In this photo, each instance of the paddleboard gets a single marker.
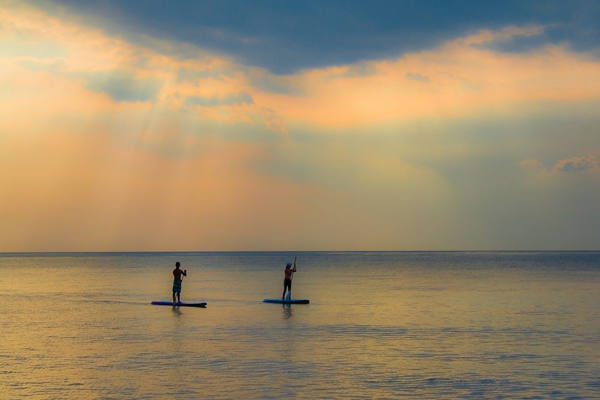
(182, 304)
(287, 301)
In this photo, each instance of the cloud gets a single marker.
(531, 163)
(125, 85)
(230, 99)
(417, 77)
(273, 121)
(361, 69)
(265, 81)
(143, 81)
(287, 38)
(564, 167)
(119, 85)
(489, 39)
(464, 82)
(158, 144)
(577, 164)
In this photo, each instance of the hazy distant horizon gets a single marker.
(289, 252)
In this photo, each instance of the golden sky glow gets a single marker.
(115, 143)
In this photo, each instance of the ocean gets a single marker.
(380, 325)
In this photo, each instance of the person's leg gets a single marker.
(176, 291)
(285, 285)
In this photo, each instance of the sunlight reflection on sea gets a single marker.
(386, 325)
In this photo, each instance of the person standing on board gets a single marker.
(287, 281)
(177, 279)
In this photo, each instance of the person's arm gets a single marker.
(185, 272)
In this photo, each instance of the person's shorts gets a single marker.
(287, 283)
(176, 286)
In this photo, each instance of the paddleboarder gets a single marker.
(287, 281)
(178, 275)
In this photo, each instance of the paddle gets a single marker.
(288, 299)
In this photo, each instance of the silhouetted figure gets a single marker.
(287, 281)
(178, 278)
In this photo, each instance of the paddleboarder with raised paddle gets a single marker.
(178, 275)
(287, 281)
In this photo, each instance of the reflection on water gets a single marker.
(176, 311)
(287, 311)
(420, 325)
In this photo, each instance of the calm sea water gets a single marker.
(380, 325)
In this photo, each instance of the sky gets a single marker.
(299, 125)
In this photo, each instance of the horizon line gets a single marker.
(300, 251)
